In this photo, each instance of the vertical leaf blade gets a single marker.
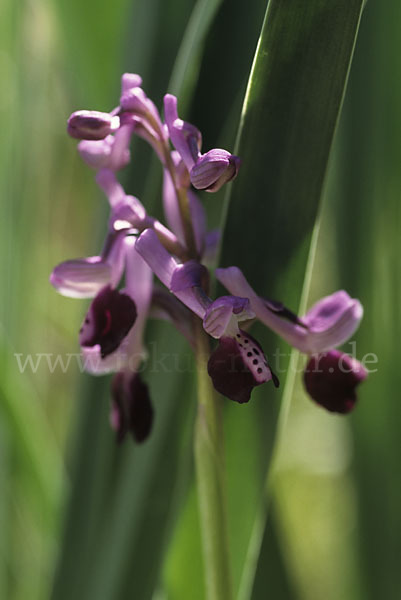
(289, 118)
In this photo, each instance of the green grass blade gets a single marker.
(289, 118)
(187, 64)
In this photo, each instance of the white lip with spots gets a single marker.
(253, 357)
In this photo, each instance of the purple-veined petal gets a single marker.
(138, 278)
(91, 124)
(331, 380)
(130, 80)
(283, 312)
(85, 277)
(329, 323)
(139, 286)
(114, 255)
(128, 214)
(332, 321)
(164, 265)
(187, 284)
(82, 277)
(110, 317)
(181, 171)
(107, 181)
(223, 315)
(198, 218)
(213, 169)
(233, 279)
(237, 366)
(135, 100)
(186, 138)
(189, 274)
(131, 409)
(156, 256)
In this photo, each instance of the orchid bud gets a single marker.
(91, 125)
(129, 81)
(213, 169)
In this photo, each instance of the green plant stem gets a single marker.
(209, 456)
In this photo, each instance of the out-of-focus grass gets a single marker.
(47, 215)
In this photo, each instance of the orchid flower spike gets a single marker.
(139, 246)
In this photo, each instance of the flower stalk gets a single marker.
(210, 474)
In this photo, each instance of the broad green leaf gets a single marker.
(290, 114)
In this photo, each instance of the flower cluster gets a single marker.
(138, 246)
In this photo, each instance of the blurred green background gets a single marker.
(80, 518)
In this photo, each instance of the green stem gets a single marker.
(209, 456)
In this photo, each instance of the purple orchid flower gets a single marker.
(331, 379)
(131, 409)
(238, 364)
(138, 246)
(328, 324)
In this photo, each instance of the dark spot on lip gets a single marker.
(259, 370)
(255, 361)
(249, 354)
(256, 351)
